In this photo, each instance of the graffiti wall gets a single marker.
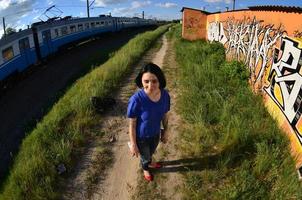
(194, 24)
(269, 43)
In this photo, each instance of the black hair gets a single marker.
(154, 69)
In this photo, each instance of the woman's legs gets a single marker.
(147, 148)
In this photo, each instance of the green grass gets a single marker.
(239, 150)
(64, 129)
(96, 59)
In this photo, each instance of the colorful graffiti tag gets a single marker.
(247, 40)
(284, 74)
(297, 34)
(255, 44)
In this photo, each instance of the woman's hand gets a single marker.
(132, 133)
(134, 150)
(164, 136)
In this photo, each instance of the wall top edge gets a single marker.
(276, 8)
(187, 8)
(288, 9)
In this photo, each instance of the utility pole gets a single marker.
(4, 28)
(233, 4)
(88, 9)
(143, 15)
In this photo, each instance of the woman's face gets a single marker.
(150, 82)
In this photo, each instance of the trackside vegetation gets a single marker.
(232, 146)
(55, 139)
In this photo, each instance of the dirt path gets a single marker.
(121, 178)
(159, 57)
(168, 153)
(168, 180)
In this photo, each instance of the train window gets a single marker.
(64, 30)
(106, 23)
(8, 53)
(97, 23)
(102, 22)
(46, 36)
(92, 24)
(24, 44)
(80, 27)
(56, 32)
(72, 28)
(86, 25)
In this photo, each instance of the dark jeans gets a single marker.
(147, 147)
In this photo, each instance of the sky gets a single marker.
(18, 14)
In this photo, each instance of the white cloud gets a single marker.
(49, 2)
(36, 17)
(130, 11)
(166, 5)
(213, 1)
(137, 4)
(121, 11)
(24, 15)
(104, 3)
(35, 11)
(14, 10)
(4, 4)
(218, 1)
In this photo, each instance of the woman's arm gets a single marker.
(165, 122)
(132, 133)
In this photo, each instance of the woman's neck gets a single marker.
(154, 95)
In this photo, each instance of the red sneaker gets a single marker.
(148, 178)
(155, 165)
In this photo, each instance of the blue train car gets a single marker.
(27, 47)
(55, 34)
(17, 52)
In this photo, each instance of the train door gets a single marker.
(25, 53)
(46, 36)
(115, 24)
(36, 42)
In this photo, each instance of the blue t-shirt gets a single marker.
(147, 112)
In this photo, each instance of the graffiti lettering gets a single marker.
(216, 32)
(297, 34)
(253, 43)
(284, 74)
(247, 40)
(192, 23)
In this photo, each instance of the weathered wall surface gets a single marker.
(194, 24)
(270, 44)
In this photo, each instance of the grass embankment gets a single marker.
(232, 147)
(64, 128)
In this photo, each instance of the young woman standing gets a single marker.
(147, 109)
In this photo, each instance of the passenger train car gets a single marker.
(25, 48)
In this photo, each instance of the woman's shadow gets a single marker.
(189, 164)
